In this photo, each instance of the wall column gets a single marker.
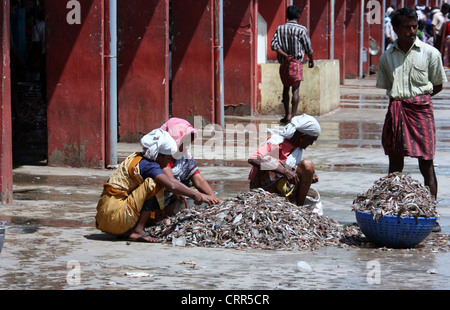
(75, 83)
(6, 175)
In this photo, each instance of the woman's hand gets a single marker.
(214, 199)
(198, 198)
(209, 199)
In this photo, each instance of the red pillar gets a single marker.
(6, 175)
(305, 13)
(352, 38)
(239, 59)
(143, 67)
(365, 43)
(319, 29)
(376, 33)
(193, 59)
(340, 42)
(411, 3)
(75, 71)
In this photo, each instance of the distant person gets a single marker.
(445, 50)
(420, 10)
(389, 34)
(278, 166)
(291, 42)
(421, 33)
(429, 26)
(438, 21)
(409, 128)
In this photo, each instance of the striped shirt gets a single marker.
(293, 39)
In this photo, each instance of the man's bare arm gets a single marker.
(436, 89)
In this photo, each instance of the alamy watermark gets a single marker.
(232, 142)
(374, 273)
(74, 15)
(73, 276)
(374, 14)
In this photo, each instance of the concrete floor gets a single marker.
(52, 242)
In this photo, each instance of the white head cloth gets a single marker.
(157, 142)
(389, 11)
(434, 11)
(304, 123)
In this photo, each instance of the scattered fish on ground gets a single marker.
(254, 219)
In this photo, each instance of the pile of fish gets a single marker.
(254, 219)
(398, 195)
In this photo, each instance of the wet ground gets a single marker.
(52, 243)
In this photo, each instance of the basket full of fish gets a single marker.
(396, 212)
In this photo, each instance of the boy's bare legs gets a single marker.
(287, 116)
(295, 100)
(305, 171)
(288, 113)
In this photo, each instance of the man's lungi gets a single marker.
(291, 72)
(409, 128)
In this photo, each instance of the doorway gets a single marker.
(28, 82)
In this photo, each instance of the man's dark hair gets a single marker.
(408, 12)
(445, 7)
(292, 12)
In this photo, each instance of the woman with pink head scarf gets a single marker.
(180, 130)
(134, 193)
(183, 167)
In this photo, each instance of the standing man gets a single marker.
(438, 21)
(411, 72)
(389, 34)
(291, 42)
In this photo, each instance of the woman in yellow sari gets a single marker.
(135, 191)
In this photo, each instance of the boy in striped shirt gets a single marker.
(291, 42)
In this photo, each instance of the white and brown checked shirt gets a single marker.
(293, 39)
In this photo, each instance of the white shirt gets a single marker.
(438, 21)
(406, 76)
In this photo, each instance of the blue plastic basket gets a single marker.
(387, 231)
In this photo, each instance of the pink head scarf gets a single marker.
(179, 128)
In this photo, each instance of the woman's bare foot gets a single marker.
(142, 237)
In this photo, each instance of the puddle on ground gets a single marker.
(57, 188)
(29, 225)
(26, 179)
(363, 98)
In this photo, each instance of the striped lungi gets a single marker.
(409, 128)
